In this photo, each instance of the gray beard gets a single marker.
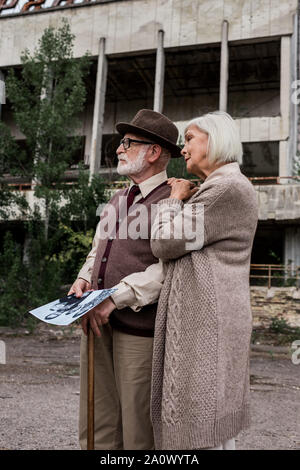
(132, 168)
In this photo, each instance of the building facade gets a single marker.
(185, 58)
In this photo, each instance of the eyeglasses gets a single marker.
(127, 141)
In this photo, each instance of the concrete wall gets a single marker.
(277, 302)
(132, 25)
(279, 202)
(276, 202)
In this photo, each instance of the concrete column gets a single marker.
(292, 246)
(285, 98)
(293, 103)
(2, 91)
(224, 68)
(159, 74)
(99, 106)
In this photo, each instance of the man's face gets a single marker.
(132, 161)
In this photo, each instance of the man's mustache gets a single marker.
(123, 156)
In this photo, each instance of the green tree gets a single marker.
(33, 277)
(46, 98)
(76, 223)
(12, 203)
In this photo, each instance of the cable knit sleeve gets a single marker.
(177, 229)
(180, 228)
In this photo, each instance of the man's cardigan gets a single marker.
(125, 254)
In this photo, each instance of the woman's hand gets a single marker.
(181, 189)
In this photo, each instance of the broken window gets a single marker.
(260, 159)
(192, 78)
(110, 143)
(254, 79)
(130, 87)
(268, 248)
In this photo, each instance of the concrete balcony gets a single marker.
(279, 202)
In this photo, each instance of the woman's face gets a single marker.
(195, 152)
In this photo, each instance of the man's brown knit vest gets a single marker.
(124, 256)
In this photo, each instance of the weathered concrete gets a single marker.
(279, 202)
(277, 302)
(276, 202)
(132, 25)
(254, 129)
(99, 106)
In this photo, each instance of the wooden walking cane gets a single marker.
(90, 386)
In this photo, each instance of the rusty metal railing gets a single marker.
(275, 179)
(290, 274)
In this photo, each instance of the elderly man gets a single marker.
(124, 323)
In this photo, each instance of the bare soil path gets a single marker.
(39, 394)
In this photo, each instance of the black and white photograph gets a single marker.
(69, 308)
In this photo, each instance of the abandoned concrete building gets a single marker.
(185, 58)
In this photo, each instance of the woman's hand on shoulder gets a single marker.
(182, 189)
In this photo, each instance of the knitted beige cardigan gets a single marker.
(200, 378)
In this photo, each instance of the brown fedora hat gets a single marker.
(156, 127)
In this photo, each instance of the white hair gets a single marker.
(224, 144)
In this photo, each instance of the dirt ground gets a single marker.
(39, 394)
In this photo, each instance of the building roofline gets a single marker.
(60, 7)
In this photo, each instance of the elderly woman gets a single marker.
(200, 379)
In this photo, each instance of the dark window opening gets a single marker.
(17, 230)
(78, 154)
(260, 159)
(268, 248)
(90, 83)
(192, 78)
(130, 78)
(130, 87)
(22, 162)
(110, 143)
(254, 79)
(268, 245)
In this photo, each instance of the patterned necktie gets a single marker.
(134, 190)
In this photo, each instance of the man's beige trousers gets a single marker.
(122, 391)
